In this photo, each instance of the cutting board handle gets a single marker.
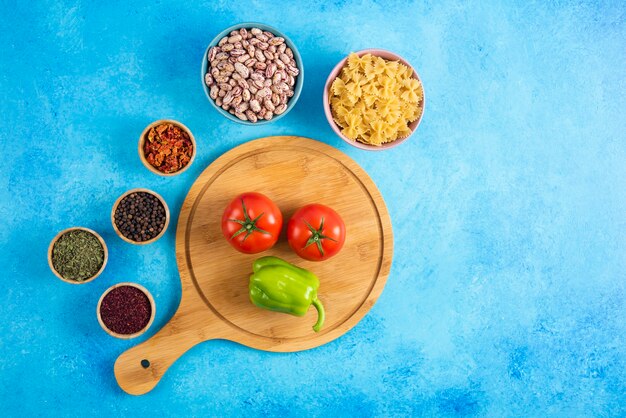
(139, 369)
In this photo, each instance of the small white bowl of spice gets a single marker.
(77, 255)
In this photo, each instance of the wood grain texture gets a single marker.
(292, 171)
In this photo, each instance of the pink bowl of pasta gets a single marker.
(374, 99)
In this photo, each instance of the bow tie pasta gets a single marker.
(374, 100)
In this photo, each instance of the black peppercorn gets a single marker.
(140, 216)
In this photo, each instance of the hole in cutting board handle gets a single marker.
(145, 363)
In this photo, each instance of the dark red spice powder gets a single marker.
(125, 310)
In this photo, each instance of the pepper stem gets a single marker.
(321, 315)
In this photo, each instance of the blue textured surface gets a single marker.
(507, 292)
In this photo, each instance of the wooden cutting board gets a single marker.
(292, 171)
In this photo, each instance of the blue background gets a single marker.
(507, 292)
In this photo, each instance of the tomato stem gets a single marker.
(248, 225)
(317, 236)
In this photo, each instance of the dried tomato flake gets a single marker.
(168, 148)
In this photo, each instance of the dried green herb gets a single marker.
(77, 255)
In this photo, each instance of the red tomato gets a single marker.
(316, 232)
(251, 223)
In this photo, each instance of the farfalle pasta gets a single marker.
(374, 100)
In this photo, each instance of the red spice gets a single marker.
(168, 148)
(125, 310)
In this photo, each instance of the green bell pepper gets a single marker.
(282, 287)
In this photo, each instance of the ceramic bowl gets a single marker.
(77, 228)
(142, 141)
(296, 56)
(390, 56)
(167, 216)
(138, 333)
